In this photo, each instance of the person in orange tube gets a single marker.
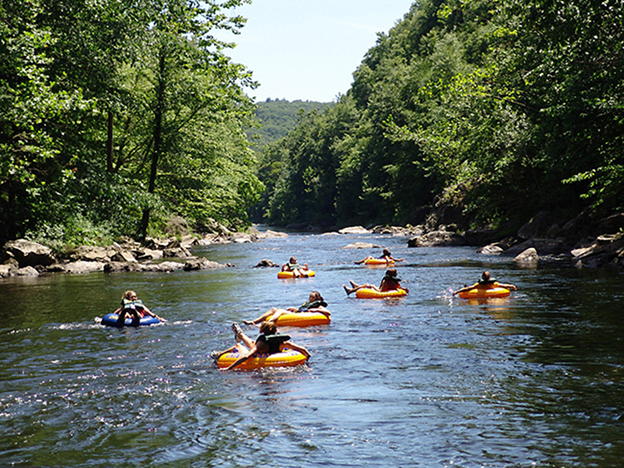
(315, 303)
(297, 270)
(485, 282)
(385, 255)
(268, 342)
(389, 282)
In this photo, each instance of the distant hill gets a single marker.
(278, 117)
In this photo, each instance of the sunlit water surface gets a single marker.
(535, 380)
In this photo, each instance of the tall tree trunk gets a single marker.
(157, 136)
(109, 143)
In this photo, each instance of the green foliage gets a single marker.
(278, 117)
(501, 108)
(111, 111)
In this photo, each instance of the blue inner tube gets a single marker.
(111, 320)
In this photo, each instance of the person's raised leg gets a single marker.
(136, 318)
(121, 318)
(262, 318)
(240, 335)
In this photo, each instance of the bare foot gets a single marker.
(237, 331)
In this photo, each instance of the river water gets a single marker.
(429, 380)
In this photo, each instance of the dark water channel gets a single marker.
(535, 380)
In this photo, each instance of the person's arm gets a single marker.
(320, 310)
(396, 259)
(465, 288)
(258, 347)
(511, 287)
(301, 349)
(242, 359)
(149, 312)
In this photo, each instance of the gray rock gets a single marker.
(26, 271)
(265, 263)
(543, 246)
(528, 256)
(148, 254)
(82, 266)
(437, 239)
(91, 254)
(56, 268)
(273, 235)
(179, 252)
(362, 245)
(201, 264)
(156, 244)
(164, 267)
(242, 238)
(354, 230)
(117, 267)
(492, 249)
(397, 230)
(123, 256)
(28, 253)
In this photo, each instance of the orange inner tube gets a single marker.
(474, 293)
(290, 274)
(285, 358)
(378, 261)
(366, 293)
(302, 319)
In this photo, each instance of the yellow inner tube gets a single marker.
(378, 261)
(366, 293)
(302, 319)
(290, 274)
(474, 293)
(285, 358)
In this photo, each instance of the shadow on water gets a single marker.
(535, 379)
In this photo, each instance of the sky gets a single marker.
(308, 49)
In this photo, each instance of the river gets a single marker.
(428, 380)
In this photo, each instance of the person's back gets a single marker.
(390, 282)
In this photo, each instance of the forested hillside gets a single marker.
(278, 117)
(115, 116)
(493, 109)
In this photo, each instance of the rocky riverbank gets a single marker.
(585, 241)
(26, 258)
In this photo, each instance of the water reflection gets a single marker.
(535, 379)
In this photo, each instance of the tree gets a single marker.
(34, 166)
(116, 101)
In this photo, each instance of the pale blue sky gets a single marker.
(309, 49)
